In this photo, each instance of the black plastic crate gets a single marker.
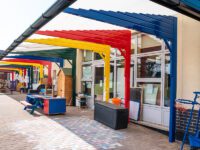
(115, 117)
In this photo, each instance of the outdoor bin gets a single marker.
(54, 106)
(111, 115)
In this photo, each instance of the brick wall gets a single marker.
(181, 122)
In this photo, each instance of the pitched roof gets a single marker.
(66, 71)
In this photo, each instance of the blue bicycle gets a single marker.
(194, 140)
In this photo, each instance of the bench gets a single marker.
(28, 106)
(25, 103)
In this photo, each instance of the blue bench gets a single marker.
(28, 106)
(32, 103)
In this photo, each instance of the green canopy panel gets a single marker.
(67, 53)
(57, 53)
(15, 66)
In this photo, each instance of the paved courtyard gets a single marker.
(76, 130)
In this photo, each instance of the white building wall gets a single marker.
(188, 73)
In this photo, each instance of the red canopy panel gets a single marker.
(120, 39)
(42, 62)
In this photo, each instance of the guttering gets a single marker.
(53, 11)
(182, 7)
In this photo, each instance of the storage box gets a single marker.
(54, 106)
(111, 115)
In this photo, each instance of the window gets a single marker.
(35, 75)
(86, 87)
(86, 84)
(111, 81)
(99, 82)
(87, 73)
(133, 45)
(45, 71)
(97, 56)
(87, 56)
(152, 93)
(120, 77)
(167, 81)
(148, 43)
(149, 67)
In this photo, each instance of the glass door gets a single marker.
(152, 74)
(149, 78)
(166, 89)
(99, 82)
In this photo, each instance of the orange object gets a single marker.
(116, 101)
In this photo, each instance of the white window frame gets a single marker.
(134, 57)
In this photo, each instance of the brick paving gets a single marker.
(76, 130)
(33, 132)
(93, 132)
(49, 135)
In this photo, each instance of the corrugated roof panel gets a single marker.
(59, 53)
(160, 26)
(115, 38)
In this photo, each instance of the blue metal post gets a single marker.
(61, 63)
(173, 85)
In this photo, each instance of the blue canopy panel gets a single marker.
(164, 27)
(160, 26)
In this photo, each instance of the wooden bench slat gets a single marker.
(25, 103)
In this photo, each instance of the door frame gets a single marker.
(162, 53)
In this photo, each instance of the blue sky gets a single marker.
(17, 15)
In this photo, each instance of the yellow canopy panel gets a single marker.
(103, 50)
